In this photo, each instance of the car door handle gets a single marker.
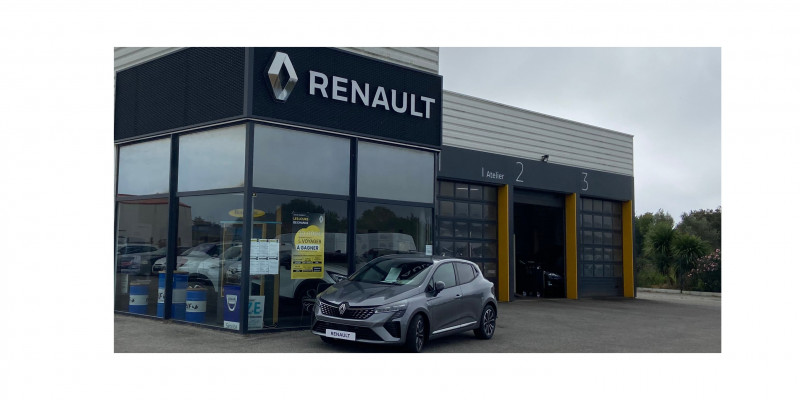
(458, 295)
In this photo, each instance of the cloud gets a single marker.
(668, 98)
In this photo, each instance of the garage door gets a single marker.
(600, 261)
(467, 224)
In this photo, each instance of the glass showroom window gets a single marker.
(144, 168)
(300, 161)
(395, 173)
(141, 243)
(210, 228)
(391, 229)
(212, 159)
(141, 236)
(285, 277)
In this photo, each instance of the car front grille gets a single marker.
(361, 332)
(351, 313)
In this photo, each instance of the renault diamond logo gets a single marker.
(281, 76)
(342, 308)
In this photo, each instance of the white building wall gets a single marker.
(477, 124)
(421, 58)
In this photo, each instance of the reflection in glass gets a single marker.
(461, 230)
(390, 229)
(445, 248)
(212, 159)
(141, 241)
(476, 231)
(490, 231)
(587, 236)
(446, 208)
(445, 228)
(462, 191)
(300, 161)
(490, 212)
(476, 211)
(212, 228)
(462, 250)
(446, 189)
(286, 301)
(395, 173)
(461, 210)
(490, 194)
(144, 168)
(475, 192)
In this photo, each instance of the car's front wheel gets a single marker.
(488, 323)
(415, 337)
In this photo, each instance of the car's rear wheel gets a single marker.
(488, 323)
(415, 337)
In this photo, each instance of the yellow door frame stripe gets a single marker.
(627, 248)
(503, 245)
(571, 210)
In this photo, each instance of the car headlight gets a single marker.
(337, 277)
(394, 307)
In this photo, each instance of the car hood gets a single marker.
(367, 294)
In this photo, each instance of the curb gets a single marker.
(675, 291)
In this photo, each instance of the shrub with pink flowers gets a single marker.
(707, 275)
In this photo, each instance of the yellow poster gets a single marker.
(308, 253)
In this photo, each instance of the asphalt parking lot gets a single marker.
(650, 323)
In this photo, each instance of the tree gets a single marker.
(705, 224)
(642, 225)
(658, 246)
(687, 249)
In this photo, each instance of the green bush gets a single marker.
(649, 276)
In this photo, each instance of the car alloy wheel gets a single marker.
(415, 338)
(488, 321)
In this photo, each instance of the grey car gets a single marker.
(407, 300)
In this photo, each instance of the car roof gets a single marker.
(422, 257)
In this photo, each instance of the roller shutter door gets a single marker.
(600, 244)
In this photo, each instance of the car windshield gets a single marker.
(201, 250)
(232, 253)
(393, 271)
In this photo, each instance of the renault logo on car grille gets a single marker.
(342, 308)
(281, 76)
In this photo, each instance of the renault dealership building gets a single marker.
(248, 179)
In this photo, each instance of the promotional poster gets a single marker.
(308, 253)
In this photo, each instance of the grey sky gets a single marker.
(668, 98)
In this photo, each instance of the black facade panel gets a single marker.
(477, 166)
(185, 88)
(348, 116)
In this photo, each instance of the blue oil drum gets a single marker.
(196, 305)
(162, 279)
(138, 297)
(180, 281)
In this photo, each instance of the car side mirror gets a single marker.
(438, 287)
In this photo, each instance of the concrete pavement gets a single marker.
(654, 322)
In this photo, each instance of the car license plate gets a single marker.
(331, 333)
